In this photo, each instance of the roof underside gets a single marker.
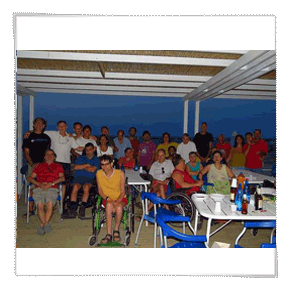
(191, 75)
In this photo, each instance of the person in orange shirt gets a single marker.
(134, 141)
(111, 187)
(128, 161)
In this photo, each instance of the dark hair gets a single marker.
(62, 121)
(106, 158)
(42, 119)
(191, 153)
(78, 123)
(216, 152)
(127, 150)
(186, 134)
(176, 160)
(104, 127)
(258, 130)
(146, 132)
(104, 135)
(167, 134)
(89, 144)
(50, 150)
(133, 128)
(235, 142)
(249, 133)
(172, 147)
(120, 130)
(204, 123)
(87, 126)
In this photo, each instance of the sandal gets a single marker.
(116, 238)
(106, 239)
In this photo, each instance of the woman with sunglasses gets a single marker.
(161, 170)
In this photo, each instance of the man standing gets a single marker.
(256, 151)
(203, 141)
(146, 151)
(134, 141)
(85, 168)
(34, 147)
(121, 143)
(185, 147)
(78, 130)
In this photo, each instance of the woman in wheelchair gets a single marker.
(111, 187)
(48, 175)
(182, 178)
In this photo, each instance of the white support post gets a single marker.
(186, 106)
(197, 110)
(31, 112)
(19, 142)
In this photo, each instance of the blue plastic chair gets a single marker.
(186, 241)
(151, 217)
(271, 224)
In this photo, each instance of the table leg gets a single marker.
(146, 205)
(196, 221)
(208, 230)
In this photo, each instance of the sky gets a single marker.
(155, 114)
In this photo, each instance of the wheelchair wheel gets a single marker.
(127, 237)
(92, 241)
(186, 203)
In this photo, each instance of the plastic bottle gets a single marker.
(233, 190)
(244, 205)
(247, 190)
(238, 197)
(136, 167)
(241, 179)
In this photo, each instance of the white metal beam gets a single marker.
(106, 81)
(250, 66)
(186, 110)
(246, 97)
(116, 93)
(140, 59)
(22, 91)
(19, 142)
(197, 112)
(106, 88)
(31, 112)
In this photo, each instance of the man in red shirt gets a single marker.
(48, 175)
(223, 146)
(256, 151)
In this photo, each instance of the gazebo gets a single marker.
(190, 75)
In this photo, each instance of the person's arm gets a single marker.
(31, 179)
(190, 172)
(180, 180)
(61, 179)
(122, 188)
(229, 156)
(100, 191)
(27, 156)
(210, 149)
(138, 157)
(204, 171)
(230, 172)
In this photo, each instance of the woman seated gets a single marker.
(182, 178)
(172, 152)
(161, 171)
(104, 148)
(128, 161)
(46, 176)
(237, 156)
(194, 166)
(218, 174)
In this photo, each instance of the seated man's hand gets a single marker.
(199, 183)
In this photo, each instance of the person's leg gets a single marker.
(41, 213)
(75, 190)
(163, 194)
(108, 213)
(86, 189)
(118, 211)
(48, 212)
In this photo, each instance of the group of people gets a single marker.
(89, 161)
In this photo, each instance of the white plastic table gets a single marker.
(205, 207)
(136, 181)
(254, 178)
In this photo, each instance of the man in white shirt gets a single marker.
(161, 170)
(79, 143)
(185, 147)
(62, 144)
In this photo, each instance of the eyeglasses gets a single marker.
(102, 165)
(163, 171)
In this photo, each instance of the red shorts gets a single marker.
(124, 200)
(165, 185)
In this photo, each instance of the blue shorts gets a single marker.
(84, 180)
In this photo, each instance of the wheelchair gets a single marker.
(99, 218)
(186, 202)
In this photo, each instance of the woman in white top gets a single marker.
(104, 148)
